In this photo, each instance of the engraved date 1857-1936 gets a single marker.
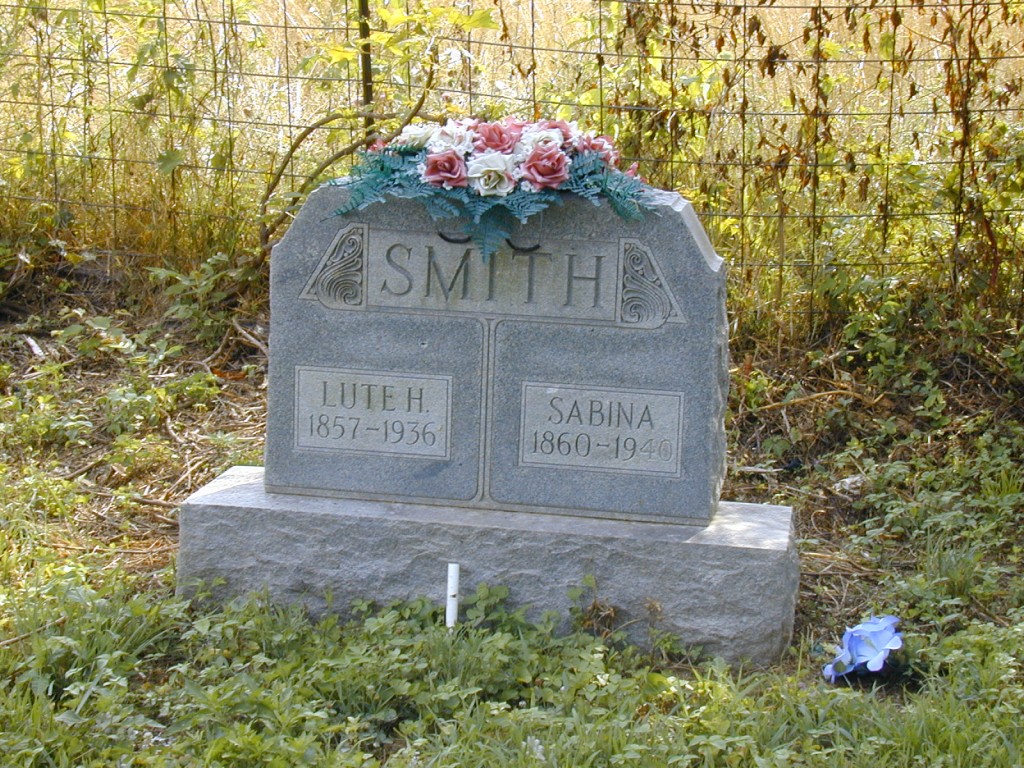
(372, 412)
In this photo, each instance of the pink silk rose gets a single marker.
(515, 124)
(602, 145)
(634, 171)
(446, 169)
(500, 137)
(547, 166)
(559, 125)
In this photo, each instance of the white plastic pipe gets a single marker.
(451, 608)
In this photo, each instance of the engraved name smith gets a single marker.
(537, 276)
(605, 282)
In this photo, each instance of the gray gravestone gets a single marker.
(552, 413)
(586, 376)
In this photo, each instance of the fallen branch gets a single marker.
(104, 550)
(145, 500)
(25, 636)
(249, 339)
(817, 396)
(268, 230)
(33, 345)
(82, 470)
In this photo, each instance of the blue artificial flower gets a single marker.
(865, 647)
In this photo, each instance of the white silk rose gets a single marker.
(455, 134)
(416, 135)
(534, 137)
(492, 173)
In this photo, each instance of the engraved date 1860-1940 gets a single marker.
(600, 428)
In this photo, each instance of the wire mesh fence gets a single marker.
(825, 144)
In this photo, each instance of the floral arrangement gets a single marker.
(491, 173)
(865, 648)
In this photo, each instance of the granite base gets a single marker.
(728, 588)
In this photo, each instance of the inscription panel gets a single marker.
(402, 414)
(564, 279)
(601, 429)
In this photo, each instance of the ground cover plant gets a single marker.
(897, 439)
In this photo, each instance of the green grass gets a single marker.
(130, 679)
(103, 428)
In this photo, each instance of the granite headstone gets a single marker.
(551, 413)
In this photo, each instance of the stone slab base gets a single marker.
(729, 588)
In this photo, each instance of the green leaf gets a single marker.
(481, 19)
(887, 45)
(69, 717)
(169, 160)
(392, 18)
(339, 53)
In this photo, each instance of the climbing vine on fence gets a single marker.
(826, 144)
